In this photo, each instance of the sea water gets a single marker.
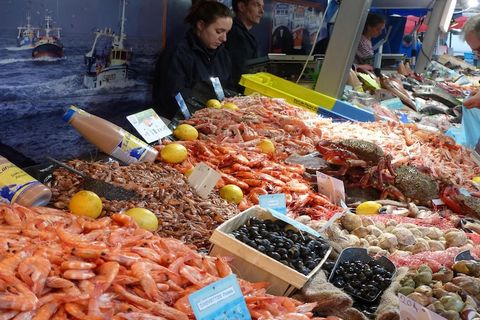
(34, 94)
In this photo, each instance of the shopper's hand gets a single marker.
(472, 102)
(364, 68)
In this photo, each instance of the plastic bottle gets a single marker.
(17, 186)
(109, 137)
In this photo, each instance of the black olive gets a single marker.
(284, 261)
(311, 264)
(339, 283)
(275, 255)
(284, 256)
(378, 278)
(294, 237)
(264, 233)
(261, 248)
(361, 276)
(251, 243)
(304, 271)
(293, 253)
(268, 248)
(282, 251)
(289, 233)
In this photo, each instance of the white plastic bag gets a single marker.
(471, 126)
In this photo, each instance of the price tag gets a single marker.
(331, 187)
(149, 125)
(217, 86)
(183, 106)
(403, 118)
(294, 223)
(276, 202)
(203, 179)
(410, 310)
(221, 300)
(393, 104)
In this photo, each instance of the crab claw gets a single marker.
(449, 196)
(334, 154)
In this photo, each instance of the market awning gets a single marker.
(412, 22)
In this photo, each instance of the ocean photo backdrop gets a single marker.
(34, 94)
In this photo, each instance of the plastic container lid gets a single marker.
(69, 114)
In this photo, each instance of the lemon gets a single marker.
(185, 132)
(266, 146)
(145, 218)
(188, 173)
(231, 193)
(230, 105)
(368, 207)
(213, 103)
(85, 203)
(476, 179)
(174, 153)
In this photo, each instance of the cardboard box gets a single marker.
(254, 266)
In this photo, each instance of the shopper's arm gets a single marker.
(473, 102)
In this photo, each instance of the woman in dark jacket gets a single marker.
(198, 57)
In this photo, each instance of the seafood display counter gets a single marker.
(411, 203)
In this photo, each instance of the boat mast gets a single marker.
(122, 26)
(47, 27)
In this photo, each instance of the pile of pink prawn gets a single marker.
(446, 160)
(258, 174)
(293, 130)
(54, 265)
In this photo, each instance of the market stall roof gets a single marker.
(402, 4)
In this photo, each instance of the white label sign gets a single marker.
(410, 310)
(203, 179)
(149, 125)
(331, 187)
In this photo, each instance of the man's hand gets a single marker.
(473, 102)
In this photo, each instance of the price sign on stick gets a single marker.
(217, 86)
(331, 187)
(276, 202)
(183, 106)
(149, 125)
(221, 300)
(203, 179)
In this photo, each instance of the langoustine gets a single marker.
(112, 280)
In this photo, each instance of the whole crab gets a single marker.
(356, 154)
(412, 185)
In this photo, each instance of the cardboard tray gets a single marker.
(254, 266)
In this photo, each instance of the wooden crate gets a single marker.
(252, 265)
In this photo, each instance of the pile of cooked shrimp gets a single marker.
(54, 265)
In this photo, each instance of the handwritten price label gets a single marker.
(410, 310)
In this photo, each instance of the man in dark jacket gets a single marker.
(240, 42)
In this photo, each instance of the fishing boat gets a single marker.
(113, 67)
(48, 45)
(27, 35)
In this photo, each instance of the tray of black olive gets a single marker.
(277, 239)
(360, 275)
